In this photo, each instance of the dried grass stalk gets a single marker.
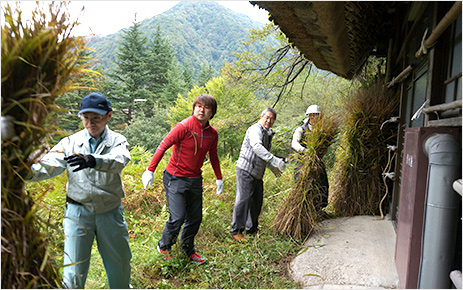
(39, 62)
(362, 153)
(301, 211)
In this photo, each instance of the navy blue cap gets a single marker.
(95, 102)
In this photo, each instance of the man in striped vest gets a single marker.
(250, 168)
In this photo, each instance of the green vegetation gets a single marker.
(275, 76)
(260, 263)
(202, 34)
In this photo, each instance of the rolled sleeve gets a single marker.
(52, 164)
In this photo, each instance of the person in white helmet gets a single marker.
(298, 143)
(311, 117)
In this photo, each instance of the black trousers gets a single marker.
(248, 203)
(184, 197)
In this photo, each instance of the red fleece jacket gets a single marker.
(191, 141)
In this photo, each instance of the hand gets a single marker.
(280, 164)
(147, 178)
(219, 186)
(276, 172)
(8, 131)
(81, 160)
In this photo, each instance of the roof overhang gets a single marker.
(338, 36)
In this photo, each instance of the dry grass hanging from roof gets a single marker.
(357, 185)
(39, 61)
(300, 214)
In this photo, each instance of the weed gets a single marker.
(260, 263)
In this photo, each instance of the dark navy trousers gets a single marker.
(184, 197)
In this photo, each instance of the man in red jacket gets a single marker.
(192, 139)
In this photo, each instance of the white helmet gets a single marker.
(313, 109)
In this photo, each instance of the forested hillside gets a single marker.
(202, 33)
(151, 91)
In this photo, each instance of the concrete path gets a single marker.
(350, 253)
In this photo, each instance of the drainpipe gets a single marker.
(441, 212)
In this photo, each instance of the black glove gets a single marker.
(81, 160)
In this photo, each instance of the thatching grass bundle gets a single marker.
(39, 61)
(362, 153)
(301, 211)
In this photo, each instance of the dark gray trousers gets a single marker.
(248, 203)
(184, 197)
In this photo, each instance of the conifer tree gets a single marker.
(69, 102)
(205, 74)
(187, 75)
(175, 85)
(129, 80)
(161, 57)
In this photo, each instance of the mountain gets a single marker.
(201, 33)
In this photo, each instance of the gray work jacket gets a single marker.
(254, 155)
(99, 189)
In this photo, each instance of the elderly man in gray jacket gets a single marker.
(94, 159)
(250, 168)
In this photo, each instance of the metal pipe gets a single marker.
(445, 22)
(441, 212)
(457, 185)
(456, 278)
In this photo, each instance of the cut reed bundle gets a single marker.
(362, 152)
(39, 62)
(301, 211)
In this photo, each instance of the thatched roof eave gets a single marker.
(338, 36)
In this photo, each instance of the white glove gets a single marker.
(276, 171)
(8, 128)
(147, 178)
(280, 164)
(219, 186)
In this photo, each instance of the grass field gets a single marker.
(262, 262)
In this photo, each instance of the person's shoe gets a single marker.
(257, 232)
(239, 238)
(196, 258)
(167, 254)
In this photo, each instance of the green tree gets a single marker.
(187, 75)
(205, 74)
(174, 86)
(237, 108)
(161, 55)
(129, 79)
(276, 73)
(69, 102)
(282, 79)
(235, 112)
(183, 106)
(148, 132)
